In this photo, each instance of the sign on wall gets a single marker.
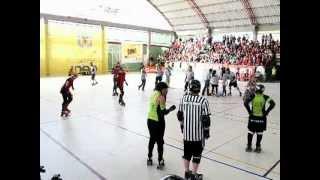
(131, 53)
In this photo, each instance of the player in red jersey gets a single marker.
(121, 78)
(66, 94)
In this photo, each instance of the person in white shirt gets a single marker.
(143, 78)
(233, 82)
(167, 72)
(224, 78)
(214, 80)
(189, 77)
(159, 74)
(207, 83)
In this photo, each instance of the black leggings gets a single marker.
(121, 94)
(214, 87)
(143, 83)
(206, 87)
(156, 131)
(186, 85)
(115, 85)
(67, 98)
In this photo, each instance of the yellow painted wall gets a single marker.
(42, 49)
(72, 44)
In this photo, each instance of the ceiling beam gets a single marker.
(201, 6)
(104, 23)
(162, 14)
(200, 14)
(249, 11)
(223, 12)
(170, 3)
(225, 20)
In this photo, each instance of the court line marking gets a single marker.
(142, 135)
(73, 155)
(271, 168)
(209, 151)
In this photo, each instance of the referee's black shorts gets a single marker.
(192, 149)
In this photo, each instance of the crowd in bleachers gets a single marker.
(231, 50)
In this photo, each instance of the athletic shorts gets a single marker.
(93, 76)
(256, 124)
(192, 149)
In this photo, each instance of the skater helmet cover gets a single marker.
(195, 86)
(161, 85)
(260, 88)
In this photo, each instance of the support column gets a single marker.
(46, 46)
(104, 63)
(148, 46)
(254, 32)
(175, 35)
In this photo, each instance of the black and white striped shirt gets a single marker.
(193, 107)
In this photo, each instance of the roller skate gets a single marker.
(149, 162)
(249, 148)
(160, 165)
(56, 177)
(258, 149)
(122, 103)
(196, 177)
(187, 174)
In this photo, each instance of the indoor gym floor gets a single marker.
(103, 140)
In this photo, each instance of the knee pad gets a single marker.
(196, 159)
(187, 157)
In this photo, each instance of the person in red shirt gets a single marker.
(121, 78)
(66, 94)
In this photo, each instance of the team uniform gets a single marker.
(66, 95)
(121, 78)
(257, 122)
(156, 124)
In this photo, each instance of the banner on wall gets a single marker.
(131, 53)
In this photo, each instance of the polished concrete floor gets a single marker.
(103, 140)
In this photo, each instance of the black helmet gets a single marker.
(161, 85)
(195, 86)
(260, 88)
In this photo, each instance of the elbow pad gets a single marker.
(206, 121)
(180, 116)
(206, 126)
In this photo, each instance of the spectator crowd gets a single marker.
(230, 51)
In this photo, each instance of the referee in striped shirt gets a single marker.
(194, 116)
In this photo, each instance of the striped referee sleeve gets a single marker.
(205, 107)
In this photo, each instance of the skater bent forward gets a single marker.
(66, 94)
